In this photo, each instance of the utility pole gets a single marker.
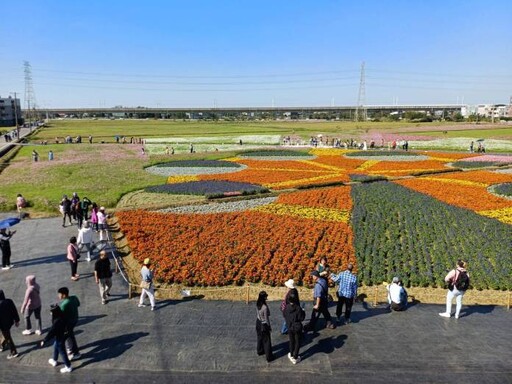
(29, 92)
(361, 113)
(16, 116)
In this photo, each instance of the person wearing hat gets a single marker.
(263, 329)
(321, 303)
(290, 284)
(102, 224)
(85, 238)
(146, 285)
(397, 296)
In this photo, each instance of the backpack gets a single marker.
(462, 282)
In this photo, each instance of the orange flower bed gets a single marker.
(465, 196)
(448, 155)
(264, 177)
(339, 162)
(405, 167)
(233, 248)
(278, 165)
(335, 197)
(480, 176)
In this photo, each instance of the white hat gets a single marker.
(290, 284)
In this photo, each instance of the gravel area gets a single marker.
(181, 171)
(233, 206)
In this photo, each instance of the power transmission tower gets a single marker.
(30, 99)
(361, 114)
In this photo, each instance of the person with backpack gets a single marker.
(321, 303)
(458, 283)
(294, 316)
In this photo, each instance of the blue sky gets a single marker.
(256, 53)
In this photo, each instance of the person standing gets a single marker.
(75, 205)
(85, 239)
(50, 155)
(347, 292)
(94, 216)
(294, 316)
(458, 283)
(263, 328)
(103, 276)
(32, 304)
(290, 284)
(65, 206)
(35, 156)
(397, 295)
(69, 306)
(146, 285)
(5, 245)
(102, 224)
(73, 256)
(8, 317)
(321, 303)
(84, 206)
(58, 331)
(20, 204)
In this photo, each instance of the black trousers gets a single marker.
(322, 309)
(347, 301)
(70, 341)
(294, 338)
(68, 215)
(74, 267)
(6, 256)
(264, 344)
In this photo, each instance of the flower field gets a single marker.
(416, 227)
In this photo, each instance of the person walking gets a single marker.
(94, 216)
(73, 255)
(75, 205)
(146, 285)
(8, 317)
(58, 332)
(32, 305)
(347, 292)
(102, 224)
(289, 284)
(263, 328)
(458, 283)
(103, 276)
(5, 246)
(69, 306)
(397, 295)
(85, 239)
(294, 316)
(65, 208)
(321, 303)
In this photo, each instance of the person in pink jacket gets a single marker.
(73, 255)
(32, 304)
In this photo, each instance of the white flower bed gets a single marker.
(462, 144)
(233, 206)
(190, 171)
(246, 139)
(180, 148)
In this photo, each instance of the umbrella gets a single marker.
(480, 139)
(9, 222)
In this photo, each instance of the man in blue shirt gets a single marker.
(347, 292)
(321, 303)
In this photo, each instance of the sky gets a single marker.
(240, 53)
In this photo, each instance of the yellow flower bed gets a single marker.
(443, 159)
(329, 151)
(181, 179)
(457, 181)
(404, 171)
(504, 214)
(324, 214)
(367, 164)
(325, 166)
(291, 183)
(233, 159)
(292, 170)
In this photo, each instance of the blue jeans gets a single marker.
(59, 348)
(284, 328)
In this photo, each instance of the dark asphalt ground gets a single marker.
(201, 341)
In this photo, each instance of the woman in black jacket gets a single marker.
(58, 331)
(294, 316)
(263, 329)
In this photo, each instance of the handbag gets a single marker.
(145, 284)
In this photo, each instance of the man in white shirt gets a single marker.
(397, 296)
(85, 238)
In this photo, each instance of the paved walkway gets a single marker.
(205, 341)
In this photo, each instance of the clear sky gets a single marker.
(199, 53)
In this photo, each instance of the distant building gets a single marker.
(495, 111)
(9, 108)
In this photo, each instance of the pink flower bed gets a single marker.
(491, 158)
